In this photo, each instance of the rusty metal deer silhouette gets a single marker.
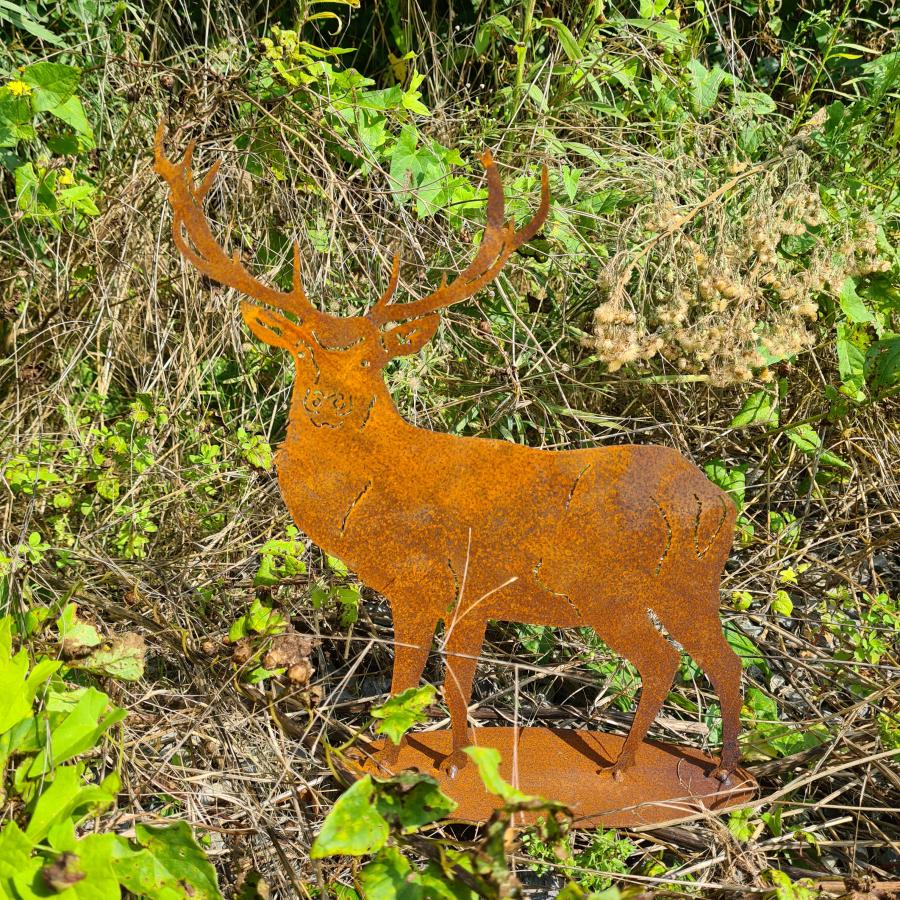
(630, 540)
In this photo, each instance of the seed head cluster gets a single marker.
(733, 289)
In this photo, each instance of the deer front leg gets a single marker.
(462, 645)
(412, 641)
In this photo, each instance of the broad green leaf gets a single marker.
(72, 113)
(757, 102)
(731, 479)
(52, 84)
(882, 365)
(185, 863)
(123, 658)
(850, 362)
(412, 800)
(705, 85)
(19, 17)
(15, 118)
(79, 731)
(487, 759)
(853, 306)
(66, 794)
(390, 877)
(87, 873)
(354, 827)
(400, 713)
(782, 603)
(18, 686)
(758, 409)
(745, 648)
(74, 634)
(15, 853)
(807, 439)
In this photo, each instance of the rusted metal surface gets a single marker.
(630, 540)
(666, 784)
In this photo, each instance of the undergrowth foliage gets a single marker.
(719, 273)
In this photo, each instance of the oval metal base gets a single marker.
(666, 784)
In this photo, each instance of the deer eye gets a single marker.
(365, 363)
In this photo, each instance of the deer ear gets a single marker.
(271, 328)
(410, 337)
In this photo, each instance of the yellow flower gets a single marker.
(18, 88)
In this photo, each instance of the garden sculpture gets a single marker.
(630, 540)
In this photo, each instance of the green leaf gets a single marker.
(882, 365)
(566, 39)
(487, 759)
(850, 362)
(85, 872)
(758, 409)
(748, 652)
(806, 439)
(412, 800)
(20, 18)
(179, 863)
(53, 84)
(78, 731)
(15, 118)
(18, 686)
(15, 855)
(66, 794)
(123, 658)
(782, 603)
(853, 306)
(731, 479)
(400, 713)
(389, 877)
(74, 634)
(72, 113)
(354, 827)
(704, 85)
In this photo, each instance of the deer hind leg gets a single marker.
(656, 660)
(462, 645)
(699, 630)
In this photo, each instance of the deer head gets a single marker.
(338, 359)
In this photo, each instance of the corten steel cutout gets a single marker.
(630, 540)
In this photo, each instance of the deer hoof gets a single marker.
(722, 774)
(453, 763)
(615, 772)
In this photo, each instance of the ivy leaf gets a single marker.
(782, 603)
(758, 409)
(748, 652)
(354, 827)
(15, 118)
(52, 84)
(400, 713)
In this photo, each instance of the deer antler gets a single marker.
(499, 242)
(207, 255)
